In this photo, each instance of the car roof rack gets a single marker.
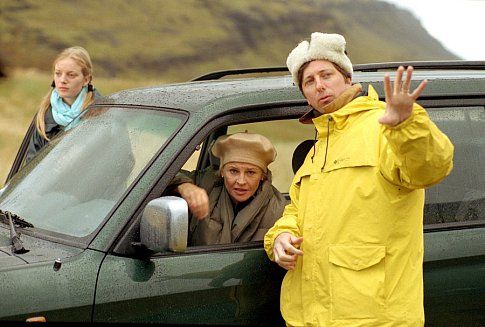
(221, 73)
(430, 65)
(374, 67)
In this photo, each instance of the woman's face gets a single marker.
(69, 79)
(241, 180)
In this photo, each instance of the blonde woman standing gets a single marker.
(71, 93)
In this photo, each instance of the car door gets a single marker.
(220, 284)
(215, 285)
(454, 223)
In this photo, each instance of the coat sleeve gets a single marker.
(415, 154)
(205, 178)
(289, 222)
(182, 176)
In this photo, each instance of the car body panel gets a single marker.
(190, 289)
(36, 289)
(223, 95)
(454, 271)
(39, 250)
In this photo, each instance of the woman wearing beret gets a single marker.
(237, 202)
(71, 93)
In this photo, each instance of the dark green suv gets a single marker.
(95, 240)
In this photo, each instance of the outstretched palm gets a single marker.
(399, 101)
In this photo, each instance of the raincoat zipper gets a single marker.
(329, 119)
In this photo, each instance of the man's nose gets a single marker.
(319, 84)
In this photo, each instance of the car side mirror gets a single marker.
(164, 224)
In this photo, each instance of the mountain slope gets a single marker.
(175, 40)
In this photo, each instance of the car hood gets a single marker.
(38, 250)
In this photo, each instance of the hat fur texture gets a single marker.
(329, 47)
(244, 147)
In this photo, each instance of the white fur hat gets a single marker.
(330, 47)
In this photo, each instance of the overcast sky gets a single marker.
(458, 24)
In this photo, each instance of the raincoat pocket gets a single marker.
(357, 277)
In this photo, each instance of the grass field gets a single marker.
(20, 96)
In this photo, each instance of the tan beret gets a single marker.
(244, 147)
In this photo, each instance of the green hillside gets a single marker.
(175, 40)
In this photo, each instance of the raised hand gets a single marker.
(286, 250)
(197, 199)
(398, 99)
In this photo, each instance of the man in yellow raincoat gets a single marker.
(352, 236)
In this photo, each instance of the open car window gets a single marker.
(285, 135)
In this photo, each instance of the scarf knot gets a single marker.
(62, 112)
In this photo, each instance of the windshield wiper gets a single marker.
(17, 245)
(16, 219)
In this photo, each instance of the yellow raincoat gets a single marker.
(358, 203)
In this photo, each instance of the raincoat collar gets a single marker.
(344, 98)
(346, 105)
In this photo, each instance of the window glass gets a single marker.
(461, 196)
(285, 136)
(72, 184)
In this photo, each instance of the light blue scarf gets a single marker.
(63, 113)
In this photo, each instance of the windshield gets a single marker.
(73, 183)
